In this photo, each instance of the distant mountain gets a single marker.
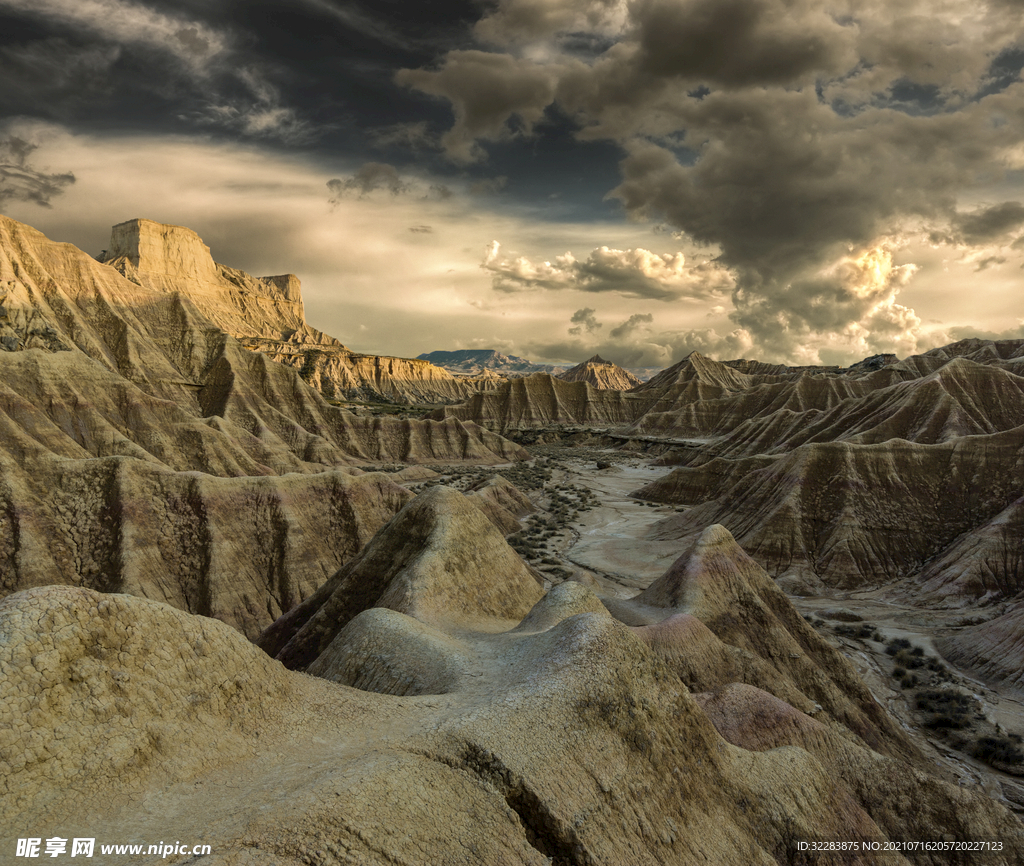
(473, 362)
(601, 374)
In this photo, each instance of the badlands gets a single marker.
(252, 600)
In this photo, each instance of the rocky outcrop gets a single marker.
(845, 515)
(542, 400)
(140, 444)
(265, 314)
(601, 374)
(342, 375)
(569, 737)
(992, 651)
(439, 559)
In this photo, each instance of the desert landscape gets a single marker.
(257, 595)
(503, 432)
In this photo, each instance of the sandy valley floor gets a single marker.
(607, 548)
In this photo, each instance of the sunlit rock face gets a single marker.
(144, 450)
(601, 374)
(266, 315)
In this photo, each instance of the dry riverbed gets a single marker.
(588, 528)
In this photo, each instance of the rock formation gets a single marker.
(265, 314)
(992, 651)
(601, 374)
(569, 737)
(541, 400)
(141, 444)
(440, 558)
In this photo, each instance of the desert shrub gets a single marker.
(999, 749)
(864, 631)
(909, 681)
(899, 672)
(897, 644)
(908, 659)
(948, 709)
(947, 721)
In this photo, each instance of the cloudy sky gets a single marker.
(800, 181)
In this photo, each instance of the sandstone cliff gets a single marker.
(265, 314)
(541, 400)
(139, 443)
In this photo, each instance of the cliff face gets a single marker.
(541, 400)
(266, 315)
(340, 374)
(141, 444)
(174, 259)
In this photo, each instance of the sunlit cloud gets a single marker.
(635, 273)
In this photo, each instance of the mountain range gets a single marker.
(222, 619)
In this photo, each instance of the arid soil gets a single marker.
(611, 548)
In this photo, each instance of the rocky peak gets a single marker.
(601, 374)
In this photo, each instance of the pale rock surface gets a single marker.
(142, 448)
(502, 502)
(601, 374)
(565, 739)
(439, 559)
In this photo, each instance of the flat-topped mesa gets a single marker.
(265, 314)
(174, 259)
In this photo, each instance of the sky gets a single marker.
(798, 181)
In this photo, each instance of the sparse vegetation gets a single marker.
(896, 644)
(997, 749)
(946, 708)
(864, 631)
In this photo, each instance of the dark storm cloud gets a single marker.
(637, 320)
(371, 176)
(739, 42)
(486, 91)
(53, 72)
(584, 320)
(799, 144)
(488, 185)
(984, 225)
(20, 181)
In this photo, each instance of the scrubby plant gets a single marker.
(897, 644)
(908, 659)
(864, 631)
(997, 749)
(947, 708)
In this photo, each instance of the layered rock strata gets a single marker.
(265, 314)
(601, 374)
(140, 443)
(559, 735)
